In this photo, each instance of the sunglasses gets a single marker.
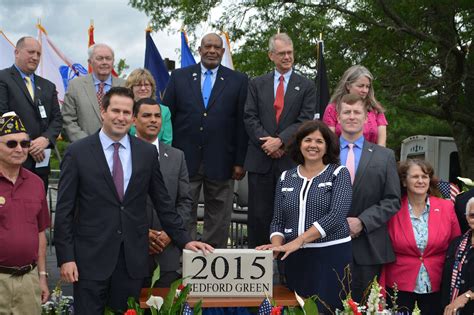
(25, 144)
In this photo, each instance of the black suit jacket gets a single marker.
(260, 121)
(92, 223)
(14, 96)
(215, 136)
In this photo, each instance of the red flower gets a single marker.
(130, 312)
(181, 287)
(353, 306)
(276, 310)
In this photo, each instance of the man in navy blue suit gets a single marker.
(207, 105)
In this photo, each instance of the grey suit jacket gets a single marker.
(175, 175)
(81, 113)
(375, 199)
(260, 121)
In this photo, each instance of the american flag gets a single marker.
(265, 308)
(187, 310)
(448, 190)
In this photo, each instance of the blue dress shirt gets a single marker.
(213, 76)
(23, 75)
(358, 144)
(107, 86)
(276, 80)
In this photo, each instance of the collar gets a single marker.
(204, 69)
(427, 207)
(107, 142)
(358, 143)
(287, 75)
(108, 81)
(23, 75)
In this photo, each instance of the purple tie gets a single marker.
(117, 171)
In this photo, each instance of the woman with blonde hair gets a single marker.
(358, 80)
(143, 85)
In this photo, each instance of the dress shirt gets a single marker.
(276, 80)
(107, 85)
(420, 230)
(213, 76)
(31, 76)
(358, 144)
(125, 153)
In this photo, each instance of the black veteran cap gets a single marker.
(10, 123)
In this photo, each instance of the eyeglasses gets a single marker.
(102, 58)
(145, 85)
(12, 144)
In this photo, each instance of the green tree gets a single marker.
(419, 50)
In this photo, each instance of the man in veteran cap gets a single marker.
(24, 217)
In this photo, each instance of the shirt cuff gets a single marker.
(320, 229)
(276, 233)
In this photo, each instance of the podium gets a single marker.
(281, 295)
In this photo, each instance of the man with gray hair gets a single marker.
(83, 99)
(277, 103)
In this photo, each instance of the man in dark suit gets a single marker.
(207, 104)
(147, 119)
(101, 226)
(277, 103)
(375, 195)
(34, 99)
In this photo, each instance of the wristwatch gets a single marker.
(44, 273)
(468, 295)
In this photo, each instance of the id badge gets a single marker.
(42, 111)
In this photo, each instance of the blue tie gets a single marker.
(207, 87)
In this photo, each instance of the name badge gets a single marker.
(42, 111)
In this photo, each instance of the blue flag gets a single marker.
(187, 309)
(187, 58)
(265, 308)
(154, 63)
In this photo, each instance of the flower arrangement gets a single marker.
(58, 304)
(173, 303)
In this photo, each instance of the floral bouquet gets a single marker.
(58, 304)
(173, 304)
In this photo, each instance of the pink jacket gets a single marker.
(443, 227)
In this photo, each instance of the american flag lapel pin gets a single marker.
(297, 88)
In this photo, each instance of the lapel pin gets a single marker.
(195, 78)
(194, 74)
(436, 210)
(38, 87)
(370, 150)
(2, 200)
(297, 88)
(222, 79)
(165, 154)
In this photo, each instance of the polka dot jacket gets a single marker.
(322, 201)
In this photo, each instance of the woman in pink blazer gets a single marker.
(420, 232)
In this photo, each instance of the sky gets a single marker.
(67, 22)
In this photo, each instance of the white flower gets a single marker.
(300, 300)
(155, 301)
(466, 181)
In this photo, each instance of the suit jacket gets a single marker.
(92, 223)
(375, 199)
(81, 112)
(460, 208)
(175, 175)
(14, 96)
(443, 227)
(260, 121)
(214, 136)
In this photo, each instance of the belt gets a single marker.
(17, 271)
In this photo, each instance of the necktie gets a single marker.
(100, 93)
(350, 162)
(279, 98)
(117, 171)
(207, 87)
(29, 86)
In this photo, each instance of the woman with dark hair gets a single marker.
(358, 80)
(309, 225)
(420, 233)
(457, 289)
